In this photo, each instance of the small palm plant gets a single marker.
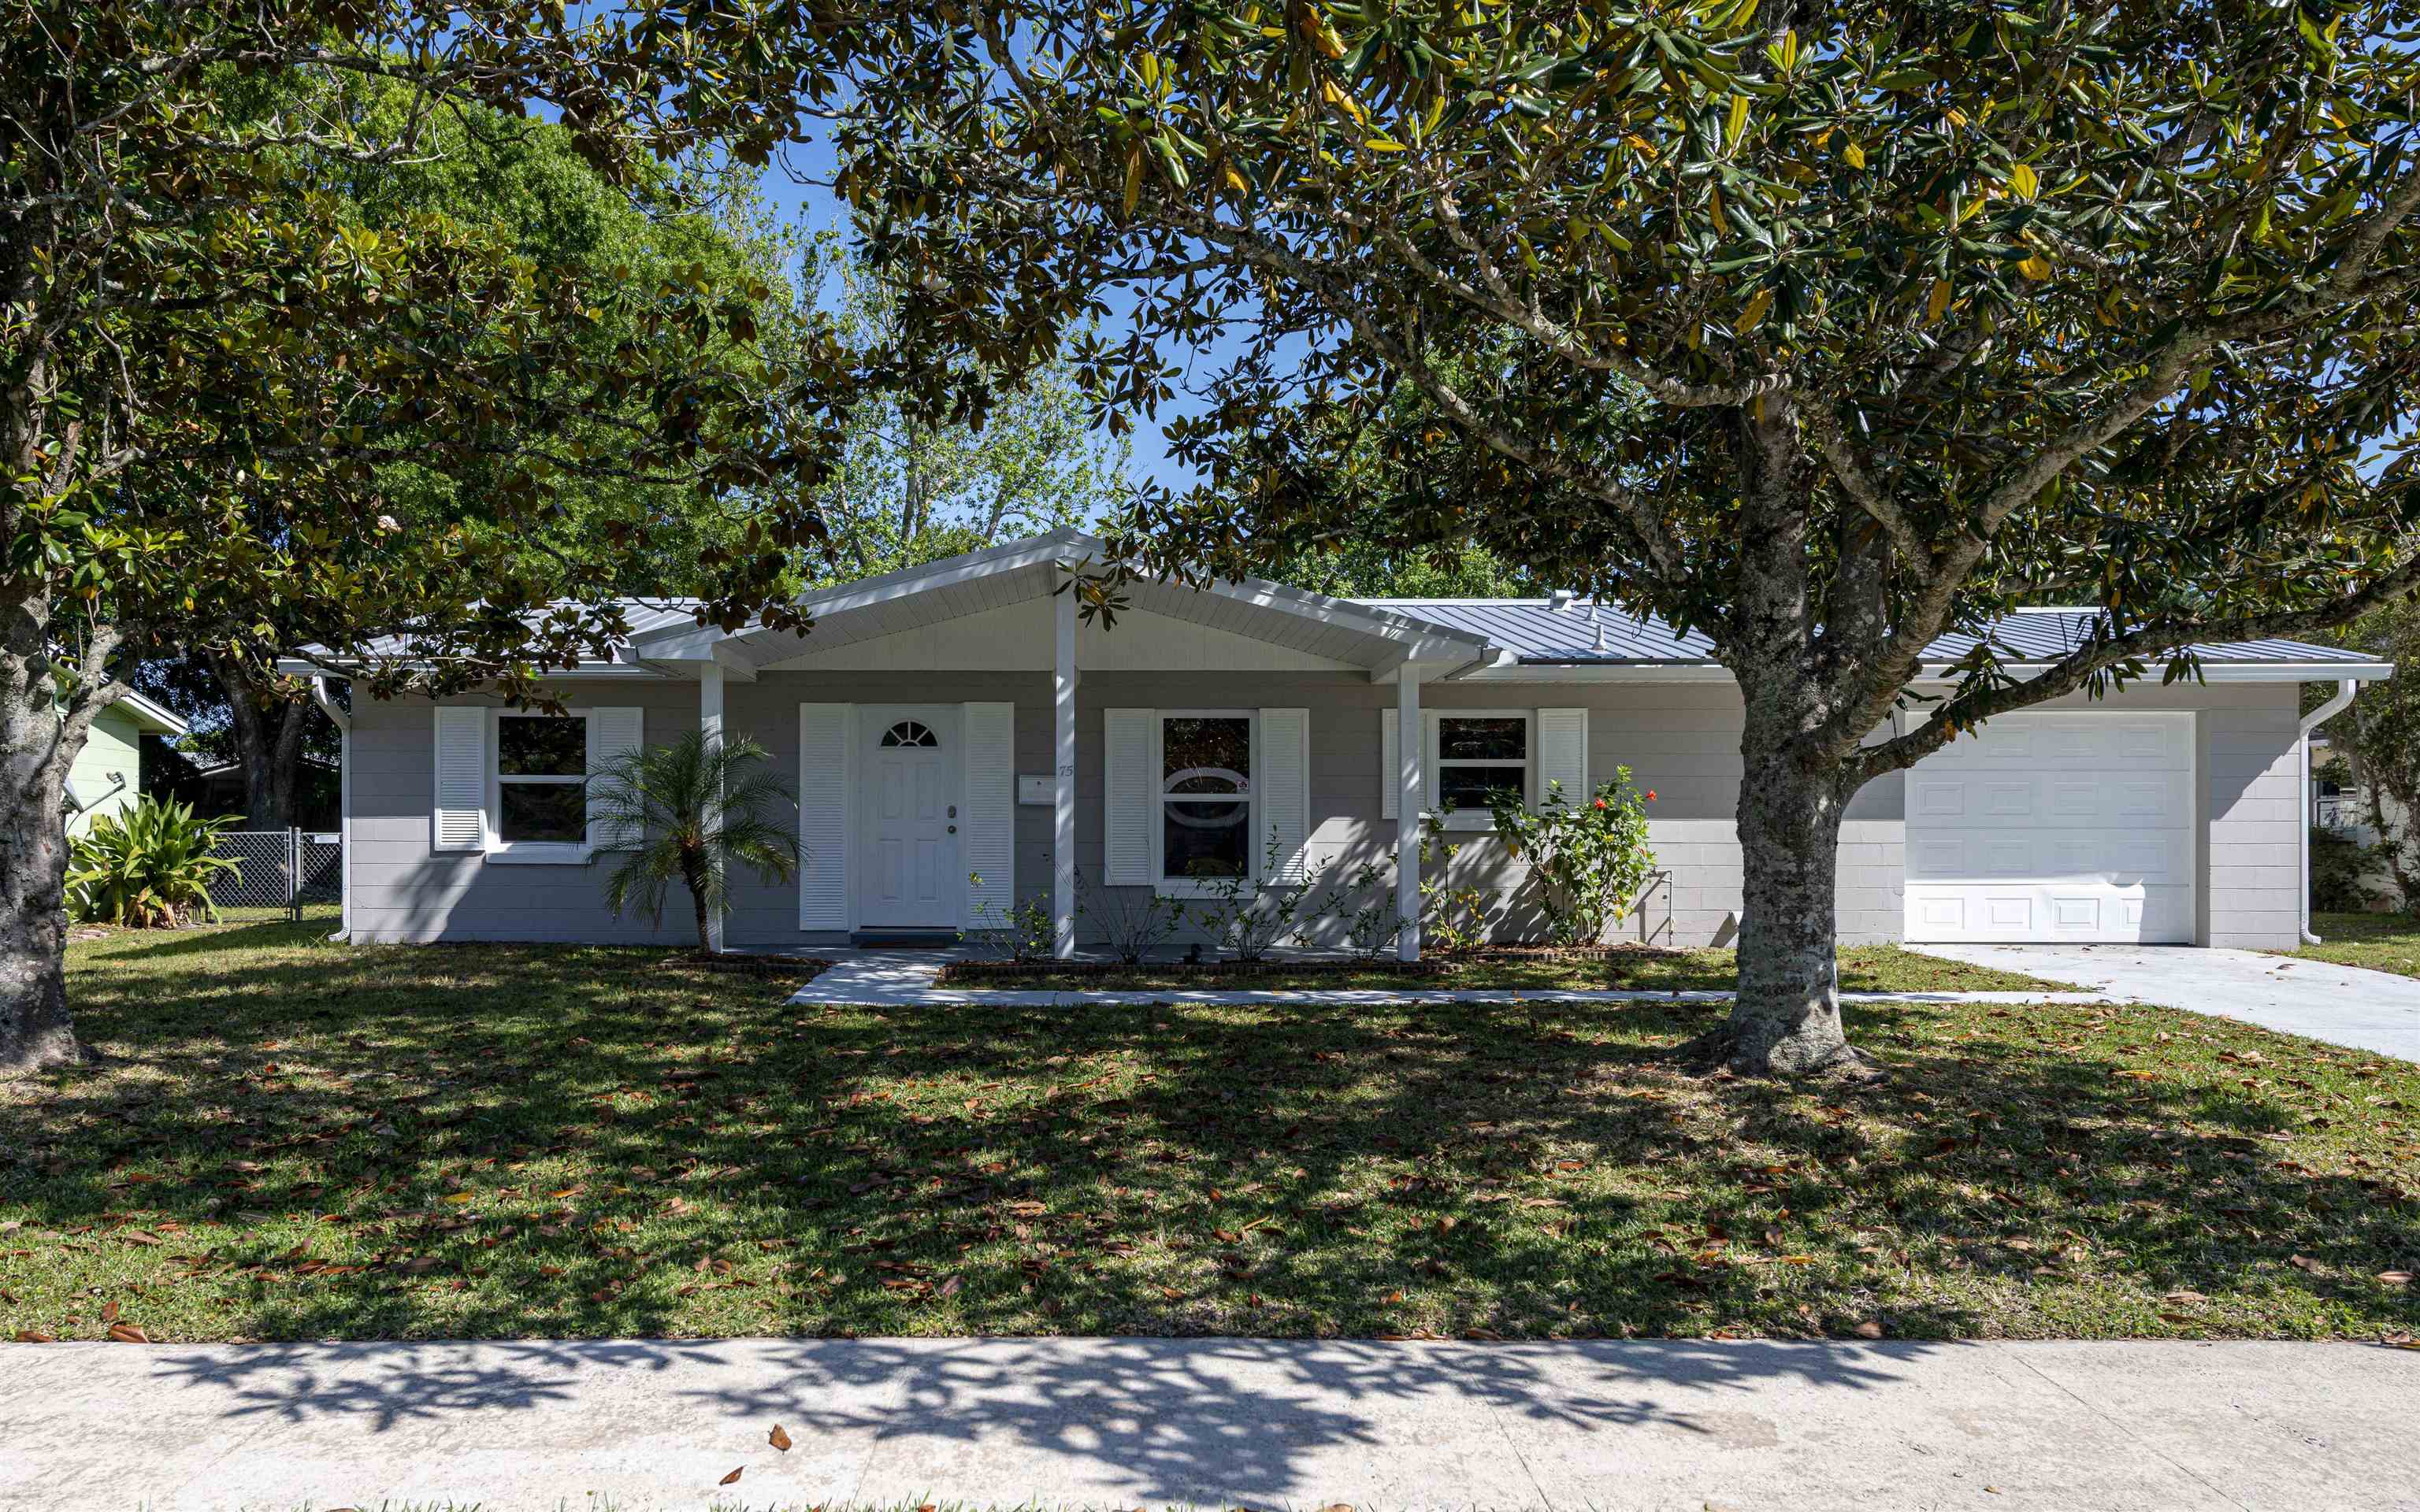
(688, 813)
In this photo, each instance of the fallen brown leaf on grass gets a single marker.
(732, 1476)
(127, 1334)
(1869, 1329)
(777, 1438)
(33, 1336)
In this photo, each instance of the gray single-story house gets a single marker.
(960, 741)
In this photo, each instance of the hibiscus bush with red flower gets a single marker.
(1590, 860)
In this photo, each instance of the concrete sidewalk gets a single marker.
(903, 978)
(1225, 1423)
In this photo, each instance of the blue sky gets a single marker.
(812, 208)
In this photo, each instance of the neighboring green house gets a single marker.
(108, 774)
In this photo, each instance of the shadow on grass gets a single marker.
(653, 1149)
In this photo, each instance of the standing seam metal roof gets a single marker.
(1538, 634)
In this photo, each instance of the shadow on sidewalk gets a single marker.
(1186, 1418)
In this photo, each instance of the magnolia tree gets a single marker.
(213, 365)
(1824, 330)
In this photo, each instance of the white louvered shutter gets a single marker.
(987, 833)
(1562, 754)
(1284, 786)
(612, 734)
(1390, 767)
(459, 820)
(1129, 795)
(823, 815)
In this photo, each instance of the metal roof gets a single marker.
(648, 616)
(1562, 632)
(1543, 636)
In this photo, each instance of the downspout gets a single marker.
(2345, 688)
(343, 724)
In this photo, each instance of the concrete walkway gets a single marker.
(2350, 1006)
(1221, 1423)
(894, 978)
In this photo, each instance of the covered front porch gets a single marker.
(925, 758)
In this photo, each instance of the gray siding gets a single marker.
(1681, 740)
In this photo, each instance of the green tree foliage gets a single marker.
(1825, 330)
(2382, 732)
(525, 182)
(910, 488)
(214, 364)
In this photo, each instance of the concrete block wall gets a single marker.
(1679, 740)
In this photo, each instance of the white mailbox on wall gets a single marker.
(1032, 789)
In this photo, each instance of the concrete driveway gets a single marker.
(2362, 1010)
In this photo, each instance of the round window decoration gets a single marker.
(910, 732)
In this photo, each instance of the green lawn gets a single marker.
(2382, 942)
(312, 1141)
(1870, 968)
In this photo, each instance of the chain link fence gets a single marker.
(279, 873)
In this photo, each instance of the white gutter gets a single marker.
(343, 724)
(2345, 688)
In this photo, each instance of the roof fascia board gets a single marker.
(144, 710)
(1673, 672)
(585, 672)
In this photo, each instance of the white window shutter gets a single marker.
(1129, 795)
(824, 731)
(987, 834)
(1284, 786)
(1562, 754)
(611, 733)
(1390, 767)
(459, 819)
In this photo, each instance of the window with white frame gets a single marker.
(541, 779)
(1206, 818)
(1476, 755)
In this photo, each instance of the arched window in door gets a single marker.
(910, 732)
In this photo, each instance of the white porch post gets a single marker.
(1063, 788)
(1409, 741)
(709, 725)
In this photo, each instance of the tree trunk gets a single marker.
(693, 877)
(35, 1027)
(1786, 1019)
(267, 743)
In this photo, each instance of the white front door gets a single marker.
(2048, 827)
(910, 817)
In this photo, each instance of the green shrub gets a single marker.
(1589, 859)
(2344, 875)
(149, 867)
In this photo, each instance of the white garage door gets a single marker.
(2055, 827)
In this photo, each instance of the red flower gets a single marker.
(1651, 795)
(1599, 803)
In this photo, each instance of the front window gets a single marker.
(1206, 797)
(1480, 755)
(541, 779)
